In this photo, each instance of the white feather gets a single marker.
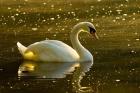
(21, 48)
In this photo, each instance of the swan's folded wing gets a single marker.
(49, 50)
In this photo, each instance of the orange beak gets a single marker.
(95, 36)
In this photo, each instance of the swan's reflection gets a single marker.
(46, 70)
(54, 70)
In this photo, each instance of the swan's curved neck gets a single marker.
(84, 54)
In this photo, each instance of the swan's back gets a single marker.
(53, 50)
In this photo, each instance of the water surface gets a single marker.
(116, 67)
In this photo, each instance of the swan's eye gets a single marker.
(92, 30)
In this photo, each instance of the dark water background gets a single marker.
(116, 67)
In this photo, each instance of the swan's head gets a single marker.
(88, 27)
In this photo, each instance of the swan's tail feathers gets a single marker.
(21, 48)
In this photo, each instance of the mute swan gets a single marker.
(57, 51)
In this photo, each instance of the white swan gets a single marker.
(57, 51)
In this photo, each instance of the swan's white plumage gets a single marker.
(52, 50)
(57, 51)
